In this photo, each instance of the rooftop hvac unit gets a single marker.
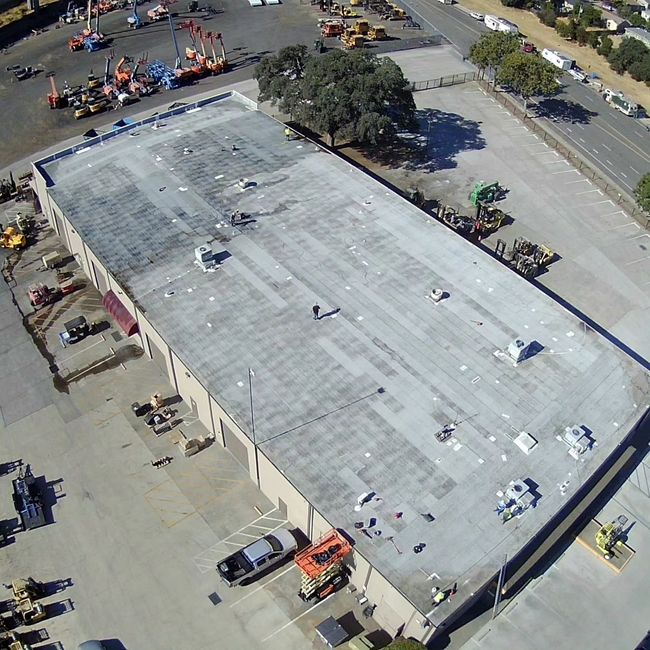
(518, 350)
(519, 492)
(204, 256)
(577, 439)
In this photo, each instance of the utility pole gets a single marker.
(251, 374)
(500, 581)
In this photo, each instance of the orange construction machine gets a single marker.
(321, 566)
(216, 65)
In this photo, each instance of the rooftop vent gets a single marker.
(436, 295)
(525, 442)
(518, 350)
(516, 490)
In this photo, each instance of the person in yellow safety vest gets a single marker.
(438, 596)
(288, 133)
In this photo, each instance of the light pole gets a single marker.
(251, 374)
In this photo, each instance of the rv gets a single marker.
(497, 24)
(621, 103)
(557, 59)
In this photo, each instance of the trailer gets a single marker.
(447, 2)
(621, 103)
(558, 59)
(497, 24)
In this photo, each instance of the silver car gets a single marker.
(241, 567)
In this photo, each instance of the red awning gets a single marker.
(120, 313)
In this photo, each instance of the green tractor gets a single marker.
(485, 193)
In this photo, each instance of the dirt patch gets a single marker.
(546, 37)
(11, 14)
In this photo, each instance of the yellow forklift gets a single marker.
(13, 239)
(23, 604)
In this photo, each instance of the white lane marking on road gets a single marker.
(569, 130)
(634, 170)
(604, 146)
(254, 591)
(580, 126)
(595, 151)
(623, 175)
(581, 140)
(292, 621)
(609, 162)
(589, 99)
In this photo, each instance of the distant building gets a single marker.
(640, 34)
(616, 23)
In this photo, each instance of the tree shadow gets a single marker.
(443, 136)
(440, 137)
(563, 110)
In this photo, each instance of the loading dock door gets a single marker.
(100, 279)
(235, 446)
(158, 356)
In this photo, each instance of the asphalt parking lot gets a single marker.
(248, 32)
(134, 546)
(603, 254)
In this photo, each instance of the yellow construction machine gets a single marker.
(23, 604)
(362, 27)
(608, 537)
(12, 238)
(377, 33)
(488, 218)
(351, 40)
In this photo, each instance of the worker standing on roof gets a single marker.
(316, 310)
(288, 133)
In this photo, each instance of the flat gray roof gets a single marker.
(324, 232)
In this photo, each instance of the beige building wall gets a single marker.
(192, 392)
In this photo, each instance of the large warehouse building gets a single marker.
(420, 409)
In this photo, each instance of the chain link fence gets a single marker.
(448, 80)
(609, 187)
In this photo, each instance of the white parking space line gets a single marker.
(611, 214)
(588, 205)
(580, 126)
(254, 591)
(641, 259)
(582, 180)
(566, 171)
(556, 162)
(210, 557)
(589, 192)
(292, 621)
(78, 352)
(625, 225)
(545, 153)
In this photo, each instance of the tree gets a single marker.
(637, 20)
(528, 76)
(547, 14)
(640, 70)
(642, 193)
(593, 39)
(628, 52)
(582, 35)
(605, 47)
(489, 52)
(567, 29)
(400, 643)
(343, 94)
(278, 77)
(591, 17)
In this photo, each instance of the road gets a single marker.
(617, 145)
